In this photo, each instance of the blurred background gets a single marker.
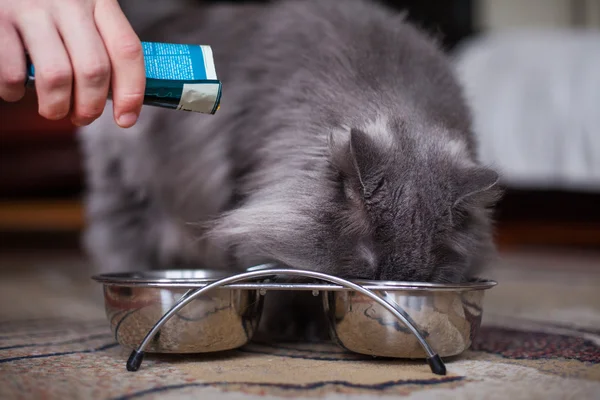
(531, 70)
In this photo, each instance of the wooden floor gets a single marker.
(56, 215)
(515, 234)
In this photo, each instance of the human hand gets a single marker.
(79, 49)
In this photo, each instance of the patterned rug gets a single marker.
(540, 339)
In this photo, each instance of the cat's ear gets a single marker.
(362, 158)
(366, 158)
(477, 183)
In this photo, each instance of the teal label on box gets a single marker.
(174, 62)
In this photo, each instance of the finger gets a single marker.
(90, 63)
(53, 74)
(127, 62)
(12, 64)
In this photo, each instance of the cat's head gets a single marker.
(387, 202)
(417, 205)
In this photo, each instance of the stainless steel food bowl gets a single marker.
(447, 316)
(207, 311)
(220, 320)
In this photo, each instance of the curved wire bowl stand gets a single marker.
(433, 359)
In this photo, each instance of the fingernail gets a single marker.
(127, 120)
(77, 122)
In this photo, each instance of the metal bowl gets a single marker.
(448, 317)
(199, 311)
(218, 320)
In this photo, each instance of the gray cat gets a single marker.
(343, 145)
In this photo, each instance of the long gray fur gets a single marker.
(343, 145)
